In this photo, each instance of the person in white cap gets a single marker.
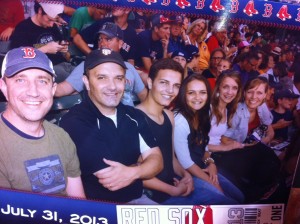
(35, 155)
(41, 31)
(219, 39)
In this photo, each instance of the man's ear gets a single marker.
(86, 82)
(149, 83)
(54, 88)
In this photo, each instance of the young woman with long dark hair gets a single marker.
(192, 125)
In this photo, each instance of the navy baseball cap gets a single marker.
(257, 35)
(191, 51)
(22, 58)
(285, 93)
(179, 53)
(273, 84)
(112, 30)
(101, 56)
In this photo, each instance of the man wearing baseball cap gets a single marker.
(256, 41)
(41, 31)
(192, 58)
(176, 42)
(86, 39)
(282, 113)
(110, 36)
(35, 155)
(111, 137)
(153, 44)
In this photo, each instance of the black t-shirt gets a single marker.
(282, 133)
(163, 136)
(29, 34)
(147, 47)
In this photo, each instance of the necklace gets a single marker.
(196, 44)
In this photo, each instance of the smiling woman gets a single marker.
(192, 125)
(253, 167)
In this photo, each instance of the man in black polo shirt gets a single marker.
(115, 146)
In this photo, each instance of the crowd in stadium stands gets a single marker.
(219, 100)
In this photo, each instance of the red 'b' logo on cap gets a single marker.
(29, 52)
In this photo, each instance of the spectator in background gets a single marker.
(224, 65)
(186, 23)
(192, 58)
(243, 29)
(212, 73)
(248, 37)
(219, 39)
(282, 113)
(195, 35)
(247, 63)
(29, 9)
(139, 20)
(256, 41)
(153, 44)
(40, 31)
(11, 13)
(87, 39)
(176, 42)
(110, 36)
(296, 65)
(181, 58)
(243, 47)
(289, 58)
(83, 17)
(266, 66)
(296, 90)
(273, 85)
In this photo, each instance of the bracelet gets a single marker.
(209, 160)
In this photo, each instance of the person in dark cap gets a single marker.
(212, 73)
(192, 58)
(110, 36)
(181, 58)
(86, 40)
(35, 155)
(256, 41)
(110, 137)
(176, 42)
(153, 44)
(282, 113)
